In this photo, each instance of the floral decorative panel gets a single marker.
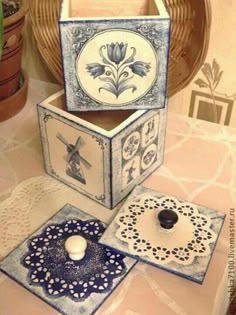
(115, 63)
(185, 249)
(42, 265)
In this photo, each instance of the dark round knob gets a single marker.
(167, 218)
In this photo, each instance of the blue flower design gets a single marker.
(51, 268)
(39, 243)
(95, 69)
(53, 232)
(40, 275)
(140, 68)
(118, 66)
(116, 52)
(78, 289)
(72, 226)
(92, 228)
(56, 286)
(34, 259)
(113, 265)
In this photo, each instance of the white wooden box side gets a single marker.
(120, 165)
(70, 116)
(54, 165)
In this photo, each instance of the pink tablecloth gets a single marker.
(200, 166)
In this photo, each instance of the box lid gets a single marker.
(41, 264)
(166, 232)
(115, 63)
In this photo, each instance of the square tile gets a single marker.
(41, 264)
(142, 230)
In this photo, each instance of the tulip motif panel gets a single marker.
(115, 64)
(117, 72)
(118, 68)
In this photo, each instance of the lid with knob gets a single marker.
(167, 218)
(165, 231)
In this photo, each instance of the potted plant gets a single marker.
(13, 82)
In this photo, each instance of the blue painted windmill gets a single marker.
(74, 160)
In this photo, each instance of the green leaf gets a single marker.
(1, 29)
(201, 83)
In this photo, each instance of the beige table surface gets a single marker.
(200, 166)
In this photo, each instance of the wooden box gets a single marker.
(115, 54)
(103, 155)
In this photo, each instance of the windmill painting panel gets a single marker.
(75, 157)
(74, 161)
(103, 165)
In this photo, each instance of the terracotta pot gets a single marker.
(13, 104)
(10, 63)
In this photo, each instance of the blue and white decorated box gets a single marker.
(102, 155)
(115, 54)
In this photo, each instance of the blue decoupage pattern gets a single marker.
(42, 265)
(141, 46)
(49, 264)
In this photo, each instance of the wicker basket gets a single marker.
(190, 32)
